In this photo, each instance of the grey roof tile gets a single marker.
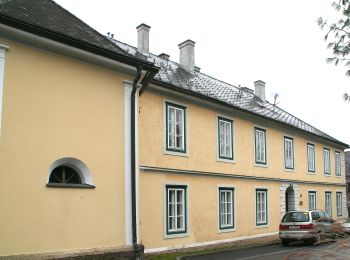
(199, 83)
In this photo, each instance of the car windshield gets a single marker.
(296, 217)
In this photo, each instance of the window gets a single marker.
(65, 174)
(260, 146)
(225, 138)
(226, 214)
(337, 164)
(261, 207)
(328, 203)
(288, 153)
(175, 128)
(339, 204)
(327, 161)
(312, 200)
(311, 157)
(176, 221)
(69, 173)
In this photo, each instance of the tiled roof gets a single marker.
(47, 18)
(171, 73)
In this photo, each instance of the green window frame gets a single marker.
(327, 161)
(311, 165)
(339, 204)
(260, 146)
(337, 163)
(176, 209)
(175, 128)
(288, 153)
(312, 200)
(261, 207)
(226, 208)
(328, 203)
(225, 138)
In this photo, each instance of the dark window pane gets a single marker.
(64, 174)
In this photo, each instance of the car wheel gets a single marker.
(285, 242)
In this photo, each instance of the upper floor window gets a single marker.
(65, 174)
(288, 153)
(327, 161)
(176, 221)
(260, 145)
(311, 157)
(226, 214)
(337, 164)
(175, 128)
(225, 131)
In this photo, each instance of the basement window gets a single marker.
(69, 173)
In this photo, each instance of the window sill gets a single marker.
(261, 165)
(262, 226)
(178, 235)
(218, 159)
(182, 154)
(327, 175)
(226, 230)
(289, 170)
(65, 185)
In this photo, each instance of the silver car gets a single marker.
(304, 225)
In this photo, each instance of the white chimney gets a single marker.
(260, 89)
(143, 37)
(187, 55)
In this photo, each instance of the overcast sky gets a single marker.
(241, 41)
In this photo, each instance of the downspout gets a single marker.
(137, 248)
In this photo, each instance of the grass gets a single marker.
(217, 248)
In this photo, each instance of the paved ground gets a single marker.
(339, 250)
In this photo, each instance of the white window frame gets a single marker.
(182, 151)
(312, 197)
(261, 207)
(3, 50)
(182, 231)
(260, 146)
(328, 203)
(337, 162)
(227, 141)
(327, 163)
(339, 203)
(230, 192)
(311, 157)
(288, 153)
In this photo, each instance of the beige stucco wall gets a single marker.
(203, 207)
(202, 144)
(55, 107)
(202, 156)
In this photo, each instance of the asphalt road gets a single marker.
(298, 250)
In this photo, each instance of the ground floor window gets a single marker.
(261, 207)
(312, 200)
(328, 203)
(226, 217)
(339, 204)
(176, 221)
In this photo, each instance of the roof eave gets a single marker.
(164, 84)
(9, 21)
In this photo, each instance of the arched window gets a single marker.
(69, 173)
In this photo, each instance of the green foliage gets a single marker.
(338, 34)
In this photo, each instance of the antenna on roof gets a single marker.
(275, 96)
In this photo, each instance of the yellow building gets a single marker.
(105, 146)
(219, 163)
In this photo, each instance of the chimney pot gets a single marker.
(260, 89)
(164, 56)
(143, 37)
(187, 55)
(197, 69)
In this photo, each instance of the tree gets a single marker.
(338, 36)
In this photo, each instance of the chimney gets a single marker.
(187, 55)
(197, 69)
(260, 89)
(164, 56)
(143, 37)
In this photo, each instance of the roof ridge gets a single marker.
(91, 28)
(176, 63)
